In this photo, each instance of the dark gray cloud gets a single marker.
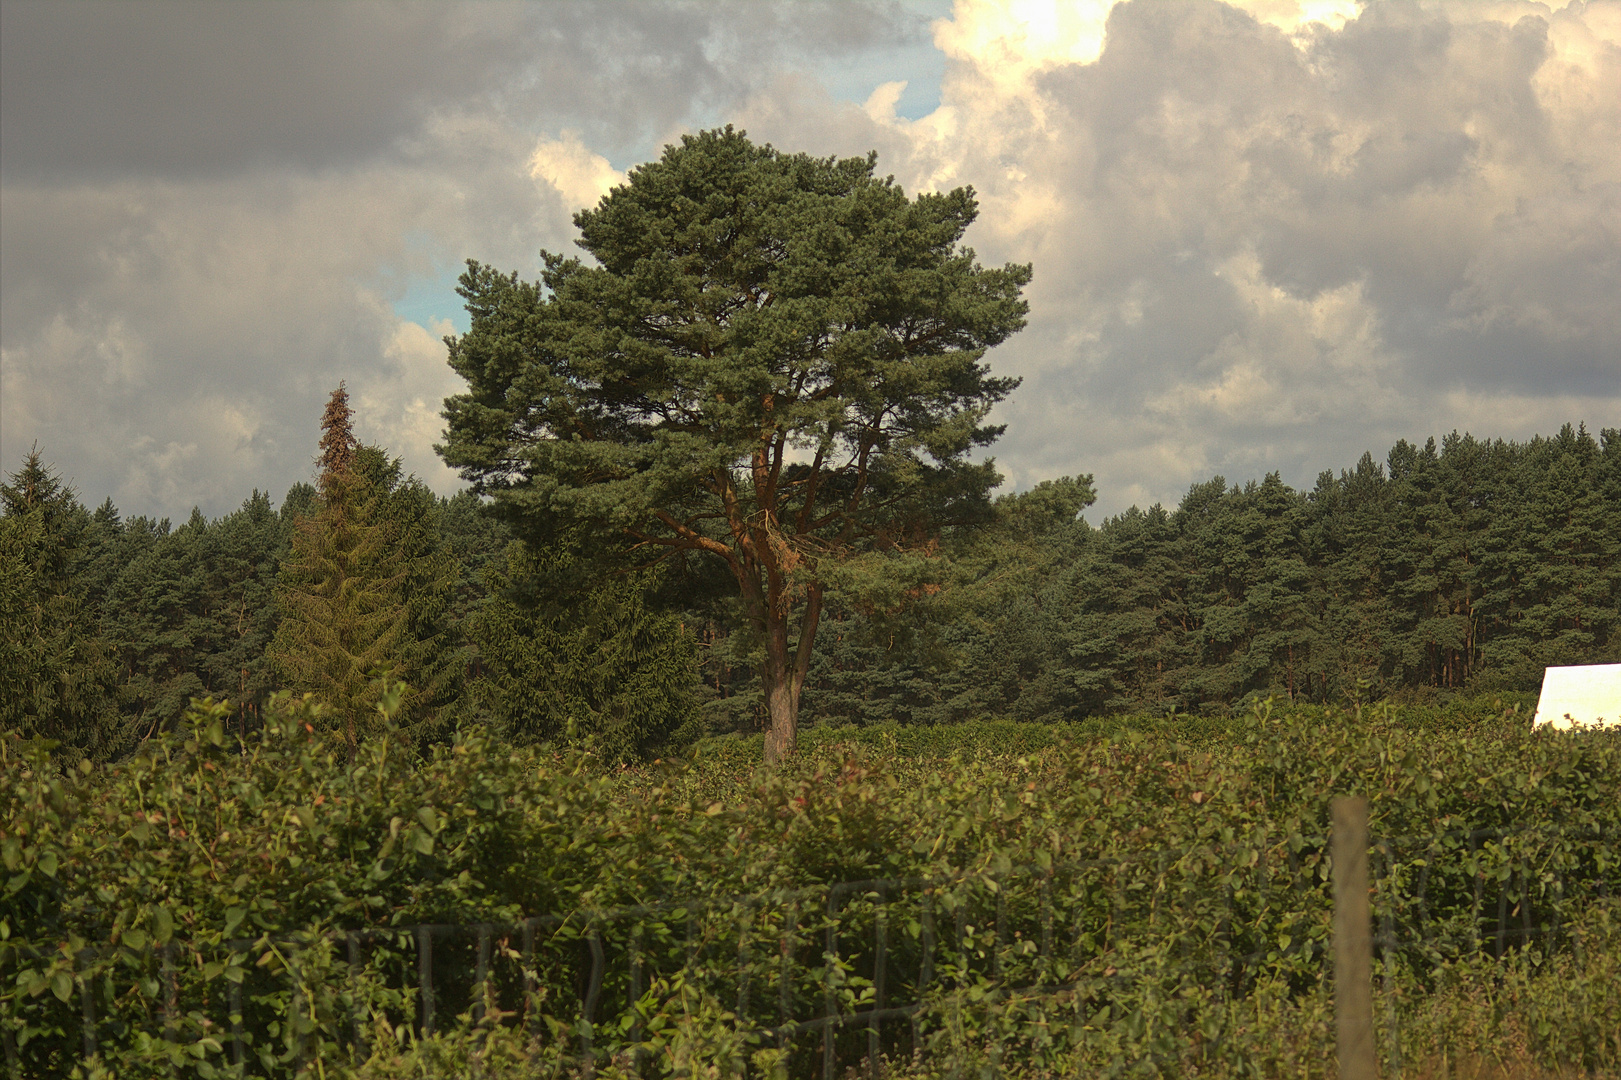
(180, 89)
(177, 89)
(209, 210)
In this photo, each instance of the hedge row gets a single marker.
(202, 864)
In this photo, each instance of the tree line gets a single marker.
(111, 626)
(1467, 564)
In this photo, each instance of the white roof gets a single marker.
(1590, 694)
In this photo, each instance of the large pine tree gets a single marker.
(775, 364)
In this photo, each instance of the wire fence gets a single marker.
(1157, 952)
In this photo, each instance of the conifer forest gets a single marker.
(1460, 565)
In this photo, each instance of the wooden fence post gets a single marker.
(1353, 941)
(425, 977)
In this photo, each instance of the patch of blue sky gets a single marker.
(425, 291)
(427, 300)
(915, 61)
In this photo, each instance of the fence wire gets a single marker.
(1160, 952)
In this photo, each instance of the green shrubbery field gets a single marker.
(1162, 847)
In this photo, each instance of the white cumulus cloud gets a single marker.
(578, 174)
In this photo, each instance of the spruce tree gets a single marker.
(353, 594)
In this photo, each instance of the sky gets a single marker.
(1266, 236)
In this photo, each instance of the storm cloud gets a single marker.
(1267, 236)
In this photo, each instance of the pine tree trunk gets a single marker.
(782, 718)
(784, 675)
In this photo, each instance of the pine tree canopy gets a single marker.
(776, 362)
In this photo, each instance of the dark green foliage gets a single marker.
(144, 617)
(1458, 565)
(1429, 575)
(1550, 577)
(367, 590)
(241, 573)
(980, 639)
(433, 659)
(188, 611)
(478, 540)
(605, 668)
(1127, 637)
(57, 679)
(775, 364)
(1463, 564)
(301, 502)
